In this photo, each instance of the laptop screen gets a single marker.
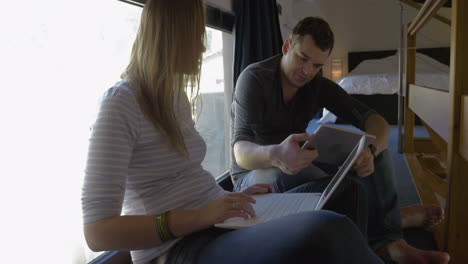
(341, 173)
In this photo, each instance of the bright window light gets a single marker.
(56, 60)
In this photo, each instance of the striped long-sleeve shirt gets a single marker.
(133, 170)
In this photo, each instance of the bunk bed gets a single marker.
(439, 164)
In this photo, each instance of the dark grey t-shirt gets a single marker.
(261, 116)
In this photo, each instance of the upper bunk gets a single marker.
(437, 98)
(433, 104)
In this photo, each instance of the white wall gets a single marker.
(295, 10)
(363, 25)
(225, 5)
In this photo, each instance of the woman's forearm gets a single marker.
(123, 233)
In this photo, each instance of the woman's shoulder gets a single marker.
(120, 91)
(120, 100)
(121, 95)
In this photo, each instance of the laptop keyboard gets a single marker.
(276, 206)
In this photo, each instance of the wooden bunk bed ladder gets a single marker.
(439, 165)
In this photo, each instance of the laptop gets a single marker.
(335, 143)
(275, 205)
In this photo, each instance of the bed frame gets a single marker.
(439, 164)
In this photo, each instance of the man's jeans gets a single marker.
(383, 214)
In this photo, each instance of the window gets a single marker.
(212, 121)
(56, 61)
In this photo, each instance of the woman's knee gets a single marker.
(323, 222)
(329, 231)
(332, 220)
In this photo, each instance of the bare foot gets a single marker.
(402, 253)
(421, 215)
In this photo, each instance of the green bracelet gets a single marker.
(169, 234)
(163, 228)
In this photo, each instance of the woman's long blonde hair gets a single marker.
(166, 60)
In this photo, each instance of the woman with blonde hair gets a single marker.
(145, 190)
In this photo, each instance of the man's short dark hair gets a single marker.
(318, 29)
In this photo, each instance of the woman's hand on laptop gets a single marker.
(231, 204)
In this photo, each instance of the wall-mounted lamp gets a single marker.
(336, 69)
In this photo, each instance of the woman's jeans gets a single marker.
(308, 237)
(381, 213)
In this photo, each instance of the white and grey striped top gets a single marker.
(132, 169)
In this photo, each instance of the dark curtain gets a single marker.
(257, 33)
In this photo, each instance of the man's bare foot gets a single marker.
(402, 253)
(421, 215)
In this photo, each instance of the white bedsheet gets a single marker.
(381, 76)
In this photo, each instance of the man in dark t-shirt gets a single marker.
(264, 116)
(274, 101)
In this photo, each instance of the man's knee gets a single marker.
(268, 176)
(384, 159)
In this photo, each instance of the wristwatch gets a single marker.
(373, 150)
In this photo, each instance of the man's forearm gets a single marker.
(252, 156)
(377, 126)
